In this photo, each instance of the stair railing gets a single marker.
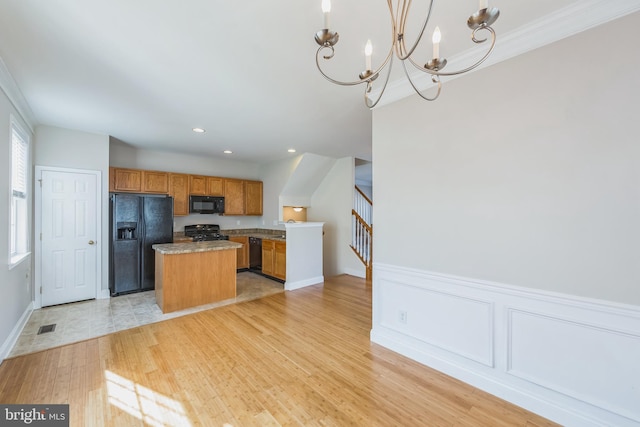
(362, 230)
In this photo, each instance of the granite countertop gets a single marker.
(278, 237)
(261, 233)
(190, 247)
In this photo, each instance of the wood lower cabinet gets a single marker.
(243, 252)
(268, 255)
(179, 190)
(274, 258)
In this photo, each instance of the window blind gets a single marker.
(20, 152)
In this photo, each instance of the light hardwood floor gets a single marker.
(294, 358)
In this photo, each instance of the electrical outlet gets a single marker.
(402, 316)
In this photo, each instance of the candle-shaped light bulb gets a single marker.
(484, 4)
(368, 50)
(436, 43)
(326, 8)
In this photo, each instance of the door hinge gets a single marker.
(40, 290)
(40, 181)
(40, 236)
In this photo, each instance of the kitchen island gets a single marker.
(194, 273)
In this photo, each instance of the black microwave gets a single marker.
(206, 204)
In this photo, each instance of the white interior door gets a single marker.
(69, 236)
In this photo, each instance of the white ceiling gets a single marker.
(146, 72)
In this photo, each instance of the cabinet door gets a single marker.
(253, 197)
(268, 256)
(179, 190)
(243, 252)
(215, 186)
(198, 185)
(127, 180)
(280, 260)
(233, 197)
(155, 182)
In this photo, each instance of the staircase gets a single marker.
(362, 230)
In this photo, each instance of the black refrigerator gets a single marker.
(136, 223)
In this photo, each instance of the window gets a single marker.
(19, 232)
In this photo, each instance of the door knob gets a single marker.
(91, 242)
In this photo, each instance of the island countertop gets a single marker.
(191, 247)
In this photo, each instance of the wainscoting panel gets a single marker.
(591, 363)
(573, 360)
(418, 311)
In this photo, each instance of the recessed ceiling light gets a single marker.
(291, 150)
(228, 152)
(198, 130)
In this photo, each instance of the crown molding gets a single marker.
(570, 20)
(15, 96)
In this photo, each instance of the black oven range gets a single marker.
(204, 232)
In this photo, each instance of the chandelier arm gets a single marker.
(475, 65)
(401, 55)
(369, 86)
(481, 60)
(371, 76)
(326, 76)
(434, 79)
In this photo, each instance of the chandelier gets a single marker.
(479, 21)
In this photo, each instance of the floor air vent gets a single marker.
(47, 328)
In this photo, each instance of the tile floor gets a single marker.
(88, 319)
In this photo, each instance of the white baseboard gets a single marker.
(290, 286)
(570, 359)
(11, 340)
(356, 273)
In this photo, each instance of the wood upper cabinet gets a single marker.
(253, 197)
(243, 252)
(127, 180)
(155, 182)
(138, 181)
(234, 197)
(274, 258)
(198, 185)
(179, 190)
(215, 186)
(242, 197)
(201, 185)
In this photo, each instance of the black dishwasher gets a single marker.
(255, 254)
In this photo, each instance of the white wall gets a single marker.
(274, 177)
(331, 203)
(66, 148)
(509, 238)
(535, 186)
(122, 155)
(15, 284)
